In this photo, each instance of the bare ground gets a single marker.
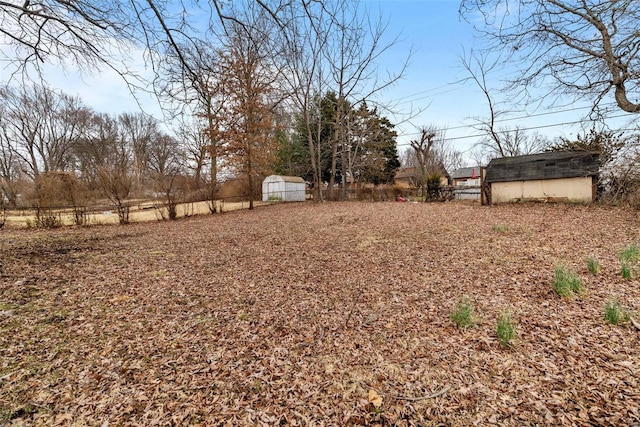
(333, 314)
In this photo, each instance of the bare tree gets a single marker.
(84, 32)
(42, 125)
(40, 128)
(191, 82)
(305, 41)
(354, 48)
(166, 164)
(196, 144)
(331, 47)
(92, 33)
(519, 142)
(478, 67)
(139, 130)
(9, 165)
(499, 141)
(105, 158)
(428, 164)
(584, 49)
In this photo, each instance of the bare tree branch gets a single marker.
(583, 49)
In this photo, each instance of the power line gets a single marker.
(516, 118)
(401, 100)
(455, 138)
(547, 113)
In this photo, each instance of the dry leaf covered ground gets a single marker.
(332, 314)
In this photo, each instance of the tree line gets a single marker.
(271, 84)
(56, 151)
(258, 88)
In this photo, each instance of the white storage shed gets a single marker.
(284, 188)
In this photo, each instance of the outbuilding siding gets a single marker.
(284, 188)
(561, 175)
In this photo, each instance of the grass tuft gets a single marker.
(566, 282)
(505, 329)
(593, 265)
(614, 313)
(630, 258)
(630, 254)
(463, 314)
(500, 228)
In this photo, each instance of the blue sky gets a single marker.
(436, 82)
(432, 84)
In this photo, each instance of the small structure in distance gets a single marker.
(570, 176)
(466, 182)
(284, 188)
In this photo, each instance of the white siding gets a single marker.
(287, 189)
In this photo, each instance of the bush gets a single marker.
(48, 218)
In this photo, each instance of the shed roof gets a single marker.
(407, 172)
(465, 172)
(284, 178)
(551, 165)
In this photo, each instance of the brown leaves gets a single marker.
(241, 319)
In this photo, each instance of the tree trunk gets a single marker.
(213, 168)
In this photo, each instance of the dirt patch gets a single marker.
(334, 314)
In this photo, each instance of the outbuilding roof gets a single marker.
(551, 165)
(283, 178)
(465, 172)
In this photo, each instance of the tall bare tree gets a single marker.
(305, 40)
(191, 82)
(499, 141)
(166, 165)
(9, 165)
(141, 131)
(42, 126)
(355, 46)
(106, 156)
(582, 48)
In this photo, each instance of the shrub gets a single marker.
(614, 313)
(47, 218)
(505, 329)
(463, 314)
(566, 282)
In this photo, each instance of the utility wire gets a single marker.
(480, 135)
(508, 119)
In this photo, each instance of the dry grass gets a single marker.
(143, 212)
(292, 314)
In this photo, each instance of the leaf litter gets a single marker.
(329, 314)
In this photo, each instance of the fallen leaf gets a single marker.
(375, 398)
